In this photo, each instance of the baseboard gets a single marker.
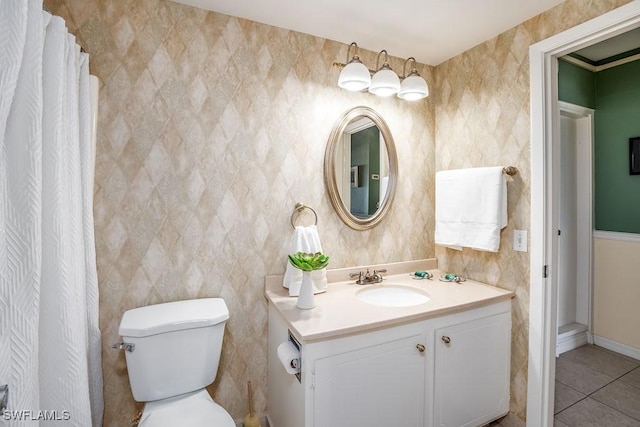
(572, 339)
(617, 347)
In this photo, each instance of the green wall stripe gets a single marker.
(615, 95)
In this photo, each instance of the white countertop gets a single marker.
(339, 312)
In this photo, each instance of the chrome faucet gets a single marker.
(368, 278)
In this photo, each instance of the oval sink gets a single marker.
(391, 295)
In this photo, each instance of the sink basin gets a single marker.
(392, 295)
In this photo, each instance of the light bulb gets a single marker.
(385, 82)
(354, 76)
(413, 87)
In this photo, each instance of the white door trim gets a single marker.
(585, 122)
(545, 129)
(575, 110)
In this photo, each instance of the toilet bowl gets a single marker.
(191, 409)
(173, 352)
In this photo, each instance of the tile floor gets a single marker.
(597, 387)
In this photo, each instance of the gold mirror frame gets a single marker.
(330, 164)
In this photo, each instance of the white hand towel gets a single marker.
(304, 239)
(471, 208)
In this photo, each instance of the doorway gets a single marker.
(364, 176)
(545, 168)
(575, 224)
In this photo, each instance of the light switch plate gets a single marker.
(520, 240)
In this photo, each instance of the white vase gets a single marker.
(306, 299)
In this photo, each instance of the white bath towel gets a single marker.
(471, 208)
(304, 239)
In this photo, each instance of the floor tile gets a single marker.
(591, 413)
(632, 378)
(558, 423)
(565, 397)
(621, 396)
(579, 376)
(602, 360)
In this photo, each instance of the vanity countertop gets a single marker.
(338, 312)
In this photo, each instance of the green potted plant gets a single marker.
(307, 263)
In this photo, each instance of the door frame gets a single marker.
(545, 131)
(585, 134)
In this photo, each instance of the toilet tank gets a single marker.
(177, 346)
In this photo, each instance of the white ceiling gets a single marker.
(614, 46)
(432, 31)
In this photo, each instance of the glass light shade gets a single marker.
(414, 87)
(354, 76)
(385, 82)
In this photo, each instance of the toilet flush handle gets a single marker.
(126, 346)
(4, 398)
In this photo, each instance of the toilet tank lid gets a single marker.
(173, 316)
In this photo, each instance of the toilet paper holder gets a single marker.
(297, 345)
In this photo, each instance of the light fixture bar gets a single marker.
(383, 81)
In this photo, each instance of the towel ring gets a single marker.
(510, 170)
(299, 208)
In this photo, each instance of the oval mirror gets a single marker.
(360, 168)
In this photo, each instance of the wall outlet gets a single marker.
(520, 240)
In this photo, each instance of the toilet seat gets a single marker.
(195, 409)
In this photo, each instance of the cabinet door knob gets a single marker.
(446, 339)
(420, 348)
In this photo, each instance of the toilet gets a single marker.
(172, 352)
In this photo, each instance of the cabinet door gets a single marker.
(381, 385)
(472, 371)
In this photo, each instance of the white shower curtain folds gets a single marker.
(49, 337)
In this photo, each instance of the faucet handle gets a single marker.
(360, 277)
(354, 275)
(377, 277)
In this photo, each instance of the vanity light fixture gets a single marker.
(413, 86)
(385, 82)
(355, 76)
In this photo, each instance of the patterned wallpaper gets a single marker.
(211, 128)
(482, 119)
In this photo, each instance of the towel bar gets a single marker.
(510, 170)
(299, 208)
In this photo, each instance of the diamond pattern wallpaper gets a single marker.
(482, 119)
(211, 128)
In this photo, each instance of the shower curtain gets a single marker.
(49, 338)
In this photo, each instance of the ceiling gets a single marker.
(613, 48)
(432, 31)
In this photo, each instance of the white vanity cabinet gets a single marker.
(374, 379)
(472, 367)
(402, 375)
